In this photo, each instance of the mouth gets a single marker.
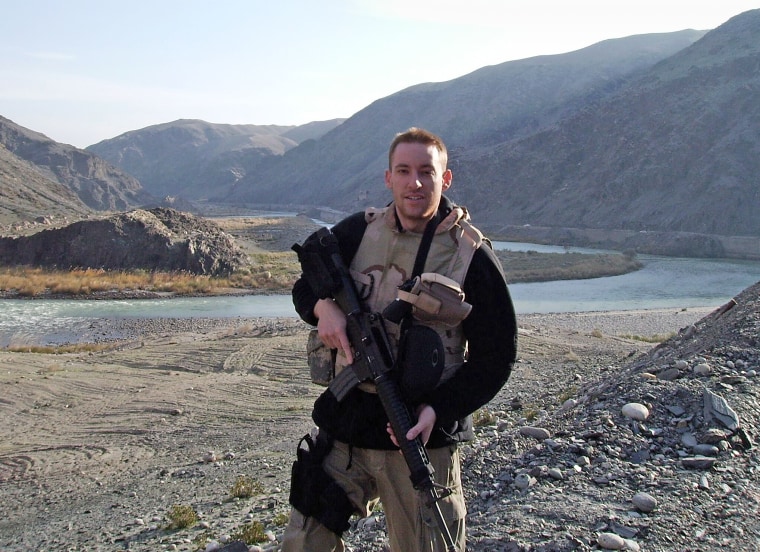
(415, 197)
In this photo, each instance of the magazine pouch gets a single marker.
(321, 359)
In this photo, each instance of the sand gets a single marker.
(97, 447)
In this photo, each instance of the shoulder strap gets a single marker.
(424, 248)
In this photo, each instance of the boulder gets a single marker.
(155, 239)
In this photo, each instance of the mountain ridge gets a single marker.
(98, 184)
(213, 156)
(622, 143)
(523, 95)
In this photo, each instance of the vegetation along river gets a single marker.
(663, 282)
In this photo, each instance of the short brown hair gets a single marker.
(420, 136)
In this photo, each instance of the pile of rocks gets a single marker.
(658, 454)
(156, 239)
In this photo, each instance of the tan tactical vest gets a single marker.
(385, 259)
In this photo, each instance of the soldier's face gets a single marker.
(416, 179)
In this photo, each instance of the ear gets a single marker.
(447, 178)
(388, 179)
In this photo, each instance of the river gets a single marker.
(663, 282)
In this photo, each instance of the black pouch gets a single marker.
(313, 492)
(314, 256)
(421, 361)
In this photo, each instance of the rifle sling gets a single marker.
(424, 247)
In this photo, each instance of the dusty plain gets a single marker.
(96, 448)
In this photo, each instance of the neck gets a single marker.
(416, 225)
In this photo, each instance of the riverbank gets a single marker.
(98, 448)
(273, 273)
(273, 268)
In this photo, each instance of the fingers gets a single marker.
(389, 429)
(332, 327)
(413, 432)
(345, 346)
(426, 418)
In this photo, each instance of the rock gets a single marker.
(702, 369)
(569, 404)
(155, 239)
(210, 456)
(676, 410)
(703, 449)
(632, 545)
(524, 480)
(713, 436)
(644, 502)
(689, 440)
(698, 462)
(538, 433)
(635, 411)
(716, 407)
(669, 375)
(611, 541)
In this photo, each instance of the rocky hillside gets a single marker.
(474, 113)
(338, 168)
(195, 159)
(658, 453)
(98, 184)
(665, 145)
(646, 143)
(27, 196)
(156, 239)
(675, 150)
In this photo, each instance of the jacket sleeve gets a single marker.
(491, 333)
(349, 233)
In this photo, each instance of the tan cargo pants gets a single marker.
(379, 475)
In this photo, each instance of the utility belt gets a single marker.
(432, 300)
(312, 491)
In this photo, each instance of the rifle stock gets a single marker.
(373, 361)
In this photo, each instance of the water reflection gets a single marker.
(663, 282)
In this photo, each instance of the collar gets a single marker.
(448, 213)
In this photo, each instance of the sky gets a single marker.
(82, 71)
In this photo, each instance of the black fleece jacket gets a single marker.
(491, 333)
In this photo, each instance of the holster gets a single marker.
(312, 491)
(436, 299)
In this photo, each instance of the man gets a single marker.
(381, 247)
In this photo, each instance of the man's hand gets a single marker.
(426, 418)
(331, 325)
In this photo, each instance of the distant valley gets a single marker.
(647, 143)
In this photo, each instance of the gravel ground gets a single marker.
(98, 449)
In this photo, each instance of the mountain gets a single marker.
(26, 195)
(648, 143)
(195, 159)
(473, 113)
(32, 160)
(677, 149)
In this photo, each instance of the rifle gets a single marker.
(374, 361)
